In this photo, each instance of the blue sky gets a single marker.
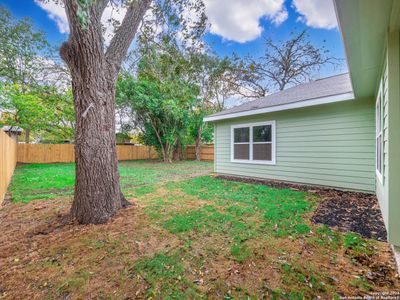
(239, 26)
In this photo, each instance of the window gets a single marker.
(378, 120)
(242, 143)
(254, 143)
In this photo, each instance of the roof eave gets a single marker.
(363, 26)
(294, 105)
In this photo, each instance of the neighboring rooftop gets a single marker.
(13, 129)
(336, 87)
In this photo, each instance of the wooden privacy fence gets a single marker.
(8, 160)
(207, 152)
(11, 153)
(54, 153)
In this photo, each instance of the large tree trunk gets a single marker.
(97, 191)
(94, 73)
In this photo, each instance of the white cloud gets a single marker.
(239, 20)
(280, 17)
(114, 14)
(56, 12)
(316, 13)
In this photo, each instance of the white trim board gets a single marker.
(272, 123)
(299, 104)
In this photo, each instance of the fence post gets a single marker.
(8, 161)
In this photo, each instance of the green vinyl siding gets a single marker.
(381, 186)
(388, 188)
(330, 145)
(393, 147)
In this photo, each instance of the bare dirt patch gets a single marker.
(42, 254)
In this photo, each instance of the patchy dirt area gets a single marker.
(43, 255)
(196, 238)
(346, 211)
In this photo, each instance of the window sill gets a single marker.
(254, 162)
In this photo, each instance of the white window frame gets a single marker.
(250, 126)
(378, 134)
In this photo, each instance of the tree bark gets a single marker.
(97, 192)
(178, 152)
(198, 144)
(198, 148)
(27, 135)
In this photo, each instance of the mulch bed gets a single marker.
(347, 211)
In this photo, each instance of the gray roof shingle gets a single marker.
(13, 129)
(330, 86)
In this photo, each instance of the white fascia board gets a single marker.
(299, 104)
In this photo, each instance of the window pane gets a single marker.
(262, 152)
(379, 154)
(242, 135)
(242, 151)
(262, 133)
(378, 117)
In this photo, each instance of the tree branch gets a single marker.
(125, 33)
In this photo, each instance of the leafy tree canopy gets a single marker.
(20, 45)
(47, 113)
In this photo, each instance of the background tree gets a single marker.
(22, 108)
(288, 63)
(161, 97)
(60, 124)
(162, 109)
(47, 113)
(22, 57)
(20, 46)
(199, 131)
(217, 78)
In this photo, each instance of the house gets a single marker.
(342, 131)
(13, 132)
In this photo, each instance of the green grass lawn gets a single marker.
(187, 238)
(49, 181)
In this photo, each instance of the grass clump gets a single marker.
(304, 280)
(361, 283)
(325, 236)
(165, 275)
(357, 244)
(207, 217)
(239, 250)
(76, 283)
(144, 190)
(358, 248)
